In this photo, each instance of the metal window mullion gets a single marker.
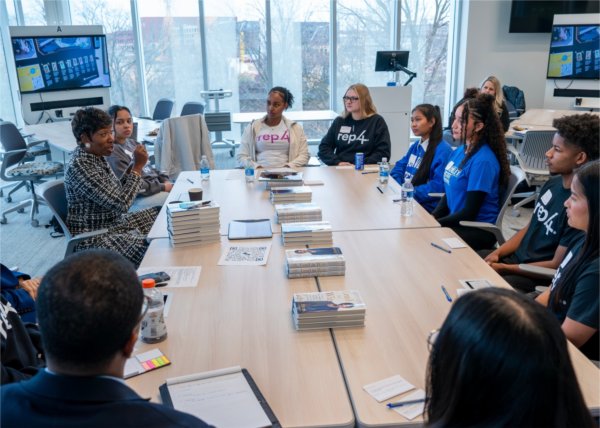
(139, 54)
(269, 46)
(332, 53)
(203, 48)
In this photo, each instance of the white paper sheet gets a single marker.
(344, 167)
(245, 255)
(224, 401)
(387, 388)
(181, 276)
(454, 243)
(314, 182)
(411, 411)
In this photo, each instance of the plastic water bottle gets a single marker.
(249, 171)
(384, 171)
(407, 193)
(154, 329)
(204, 168)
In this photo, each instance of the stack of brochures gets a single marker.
(306, 262)
(328, 309)
(193, 223)
(291, 194)
(303, 211)
(314, 233)
(282, 177)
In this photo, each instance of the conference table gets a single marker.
(349, 199)
(538, 120)
(240, 315)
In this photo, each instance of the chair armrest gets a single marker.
(82, 237)
(145, 117)
(538, 270)
(13, 152)
(36, 142)
(488, 227)
(436, 195)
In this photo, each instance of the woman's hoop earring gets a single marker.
(87, 146)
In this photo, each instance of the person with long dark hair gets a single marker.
(274, 140)
(501, 360)
(425, 160)
(574, 295)
(358, 129)
(476, 173)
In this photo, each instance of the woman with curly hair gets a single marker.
(477, 172)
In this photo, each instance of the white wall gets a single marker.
(517, 59)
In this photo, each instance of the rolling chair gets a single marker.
(530, 154)
(15, 168)
(515, 101)
(516, 176)
(218, 122)
(55, 196)
(162, 110)
(192, 107)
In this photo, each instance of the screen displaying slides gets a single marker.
(61, 63)
(574, 52)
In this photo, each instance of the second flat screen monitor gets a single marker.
(391, 60)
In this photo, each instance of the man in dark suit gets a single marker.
(89, 308)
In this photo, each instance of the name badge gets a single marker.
(412, 160)
(128, 152)
(345, 130)
(546, 197)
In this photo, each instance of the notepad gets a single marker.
(250, 229)
(145, 362)
(411, 411)
(387, 388)
(454, 243)
(224, 398)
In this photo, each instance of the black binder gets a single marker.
(166, 398)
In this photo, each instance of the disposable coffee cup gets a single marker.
(195, 194)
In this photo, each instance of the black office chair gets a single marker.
(16, 169)
(55, 197)
(192, 107)
(217, 123)
(163, 109)
(515, 101)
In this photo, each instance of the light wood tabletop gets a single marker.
(241, 315)
(349, 199)
(399, 275)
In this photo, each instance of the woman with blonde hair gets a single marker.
(359, 129)
(492, 86)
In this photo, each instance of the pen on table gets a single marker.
(189, 180)
(439, 247)
(370, 172)
(380, 191)
(448, 298)
(405, 403)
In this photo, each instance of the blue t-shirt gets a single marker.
(480, 173)
(407, 167)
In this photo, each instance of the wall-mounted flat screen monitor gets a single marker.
(390, 60)
(574, 52)
(61, 63)
(536, 16)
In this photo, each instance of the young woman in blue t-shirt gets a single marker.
(574, 294)
(476, 171)
(425, 160)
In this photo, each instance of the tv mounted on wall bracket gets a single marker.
(574, 52)
(61, 63)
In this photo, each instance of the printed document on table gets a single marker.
(181, 276)
(245, 255)
(411, 411)
(387, 388)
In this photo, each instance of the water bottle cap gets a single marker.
(148, 283)
(383, 159)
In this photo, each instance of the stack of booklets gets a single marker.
(192, 223)
(328, 309)
(283, 177)
(303, 211)
(291, 194)
(315, 233)
(306, 262)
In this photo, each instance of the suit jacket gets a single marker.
(49, 400)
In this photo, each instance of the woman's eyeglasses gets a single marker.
(351, 99)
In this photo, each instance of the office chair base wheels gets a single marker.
(230, 153)
(1, 193)
(8, 199)
(35, 223)
(3, 220)
(21, 211)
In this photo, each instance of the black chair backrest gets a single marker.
(11, 139)
(516, 97)
(163, 109)
(55, 195)
(218, 121)
(192, 107)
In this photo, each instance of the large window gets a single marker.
(115, 16)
